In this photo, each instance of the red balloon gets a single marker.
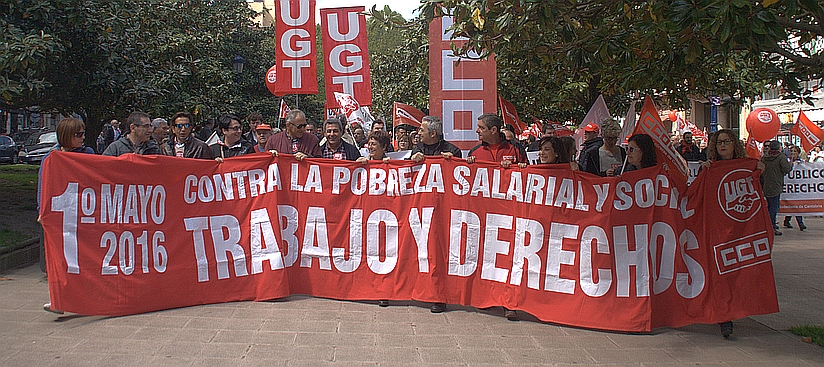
(271, 77)
(763, 124)
(672, 116)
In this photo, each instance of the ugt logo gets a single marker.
(737, 196)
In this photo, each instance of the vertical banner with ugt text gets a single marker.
(459, 92)
(296, 56)
(346, 54)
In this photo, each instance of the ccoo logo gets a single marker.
(737, 196)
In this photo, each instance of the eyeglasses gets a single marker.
(183, 126)
(234, 128)
(144, 125)
(301, 126)
(632, 149)
(724, 142)
(79, 134)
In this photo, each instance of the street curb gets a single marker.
(20, 255)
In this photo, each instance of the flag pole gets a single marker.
(279, 108)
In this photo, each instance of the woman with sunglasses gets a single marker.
(71, 133)
(640, 153)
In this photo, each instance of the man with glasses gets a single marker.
(137, 140)
(295, 140)
(184, 144)
(232, 145)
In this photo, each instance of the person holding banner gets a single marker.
(232, 145)
(295, 140)
(493, 146)
(432, 142)
(138, 140)
(70, 135)
(724, 146)
(183, 143)
(377, 143)
(335, 147)
(795, 157)
(553, 151)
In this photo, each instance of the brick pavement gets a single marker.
(317, 332)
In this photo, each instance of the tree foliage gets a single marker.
(107, 58)
(555, 57)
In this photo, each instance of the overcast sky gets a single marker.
(404, 7)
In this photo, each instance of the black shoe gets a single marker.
(511, 315)
(726, 329)
(437, 307)
(47, 307)
(778, 233)
(787, 224)
(383, 303)
(802, 227)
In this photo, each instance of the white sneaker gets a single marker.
(47, 307)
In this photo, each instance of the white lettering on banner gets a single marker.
(570, 194)
(494, 246)
(647, 193)
(223, 187)
(218, 225)
(134, 208)
(312, 183)
(742, 252)
(420, 223)
(289, 215)
(343, 264)
(347, 82)
(657, 243)
(286, 13)
(334, 27)
(389, 182)
(355, 62)
(262, 233)
(315, 223)
(125, 248)
(373, 253)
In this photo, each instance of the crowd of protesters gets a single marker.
(601, 152)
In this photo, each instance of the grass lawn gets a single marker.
(18, 203)
(814, 332)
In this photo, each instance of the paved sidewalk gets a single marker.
(313, 331)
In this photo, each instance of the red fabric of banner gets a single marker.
(295, 52)
(136, 234)
(404, 114)
(510, 116)
(346, 54)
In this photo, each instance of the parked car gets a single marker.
(37, 146)
(8, 150)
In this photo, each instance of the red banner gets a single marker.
(459, 92)
(346, 54)
(295, 52)
(810, 134)
(136, 234)
(404, 114)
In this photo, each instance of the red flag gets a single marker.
(562, 130)
(753, 150)
(406, 114)
(284, 109)
(295, 52)
(536, 121)
(510, 116)
(650, 123)
(346, 53)
(810, 134)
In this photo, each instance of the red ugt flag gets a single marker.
(510, 116)
(406, 114)
(753, 150)
(809, 132)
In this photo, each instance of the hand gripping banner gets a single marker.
(136, 234)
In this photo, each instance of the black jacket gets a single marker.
(437, 148)
(590, 149)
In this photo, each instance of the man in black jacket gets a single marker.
(335, 147)
(432, 143)
(688, 149)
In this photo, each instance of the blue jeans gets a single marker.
(773, 204)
